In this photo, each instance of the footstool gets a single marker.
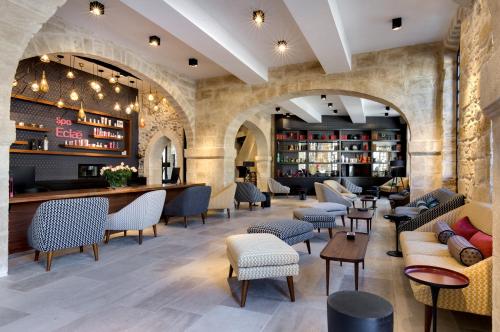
(260, 256)
(290, 231)
(327, 206)
(320, 218)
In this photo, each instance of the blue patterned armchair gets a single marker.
(68, 223)
(192, 201)
(144, 211)
(248, 192)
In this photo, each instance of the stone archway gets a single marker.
(154, 150)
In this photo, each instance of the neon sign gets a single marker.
(65, 132)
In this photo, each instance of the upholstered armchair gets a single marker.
(394, 186)
(422, 247)
(351, 187)
(68, 223)
(224, 199)
(340, 189)
(325, 193)
(192, 201)
(143, 212)
(249, 193)
(277, 188)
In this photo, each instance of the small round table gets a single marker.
(368, 198)
(436, 278)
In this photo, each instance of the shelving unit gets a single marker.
(31, 128)
(88, 148)
(106, 138)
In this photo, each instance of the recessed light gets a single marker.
(397, 23)
(281, 46)
(154, 41)
(330, 105)
(335, 111)
(387, 108)
(258, 17)
(96, 8)
(193, 62)
(278, 109)
(323, 97)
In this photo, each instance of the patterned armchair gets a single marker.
(351, 187)
(68, 223)
(277, 188)
(448, 200)
(249, 193)
(325, 193)
(224, 199)
(144, 211)
(421, 247)
(192, 201)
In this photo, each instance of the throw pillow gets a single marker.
(432, 202)
(421, 203)
(463, 251)
(443, 231)
(422, 208)
(483, 242)
(463, 227)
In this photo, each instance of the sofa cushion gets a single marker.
(418, 236)
(443, 231)
(420, 203)
(425, 248)
(463, 251)
(409, 211)
(447, 262)
(483, 242)
(464, 227)
(432, 202)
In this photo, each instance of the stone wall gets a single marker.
(408, 79)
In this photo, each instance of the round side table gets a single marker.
(436, 278)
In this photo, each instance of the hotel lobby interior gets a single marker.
(250, 165)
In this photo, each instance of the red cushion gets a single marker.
(483, 242)
(463, 227)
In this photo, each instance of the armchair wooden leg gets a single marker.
(330, 232)
(108, 234)
(185, 222)
(49, 261)
(289, 280)
(228, 213)
(154, 231)
(343, 220)
(95, 248)
(230, 270)
(203, 217)
(81, 248)
(124, 233)
(37, 255)
(140, 236)
(244, 292)
(250, 205)
(166, 220)
(308, 244)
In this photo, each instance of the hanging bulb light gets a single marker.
(128, 110)
(14, 83)
(117, 89)
(35, 87)
(70, 74)
(136, 104)
(44, 85)
(142, 122)
(164, 100)
(112, 79)
(45, 58)
(60, 103)
(74, 95)
(81, 112)
(151, 97)
(100, 96)
(117, 107)
(156, 107)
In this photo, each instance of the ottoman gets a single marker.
(260, 256)
(290, 231)
(319, 218)
(327, 206)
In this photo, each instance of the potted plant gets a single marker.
(117, 176)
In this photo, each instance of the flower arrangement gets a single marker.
(117, 176)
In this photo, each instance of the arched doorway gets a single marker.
(156, 159)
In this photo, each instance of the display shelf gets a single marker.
(21, 143)
(98, 125)
(64, 153)
(88, 148)
(30, 128)
(106, 138)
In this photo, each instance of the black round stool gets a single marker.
(359, 312)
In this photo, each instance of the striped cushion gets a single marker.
(463, 251)
(443, 231)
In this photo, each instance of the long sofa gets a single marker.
(421, 247)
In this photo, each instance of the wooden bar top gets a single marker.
(78, 193)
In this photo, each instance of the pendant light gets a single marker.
(44, 85)
(112, 79)
(156, 108)
(45, 58)
(70, 74)
(100, 96)
(136, 104)
(35, 87)
(128, 110)
(74, 95)
(60, 102)
(142, 122)
(14, 83)
(81, 112)
(117, 107)
(117, 89)
(151, 97)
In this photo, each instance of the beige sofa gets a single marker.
(421, 247)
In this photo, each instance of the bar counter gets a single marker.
(22, 207)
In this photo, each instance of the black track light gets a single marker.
(323, 97)
(154, 41)
(278, 109)
(397, 23)
(386, 114)
(387, 108)
(335, 111)
(287, 115)
(330, 105)
(96, 8)
(193, 62)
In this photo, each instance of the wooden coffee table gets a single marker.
(368, 198)
(356, 214)
(436, 278)
(343, 250)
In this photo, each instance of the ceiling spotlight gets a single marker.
(386, 114)
(330, 105)
(258, 17)
(281, 46)
(387, 108)
(45, 58)
(397, 23)
(154, 41)
(193, 62)
(335, 111)
(287, 115)
(323, 97)
(278, 109)
(96, 8)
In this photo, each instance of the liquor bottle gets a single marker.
(45, 143)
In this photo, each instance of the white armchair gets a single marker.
(277, 188)
(325, 193)
(224, 199)
(144, 211)
(340, 189)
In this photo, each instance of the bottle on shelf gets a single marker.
(45, 143)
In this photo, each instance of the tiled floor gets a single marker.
(178, 282)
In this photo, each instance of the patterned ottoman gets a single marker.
(290, 231)
(260, 256)
(320, 218)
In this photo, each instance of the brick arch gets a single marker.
(52, 40)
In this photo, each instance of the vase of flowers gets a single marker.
(117, 176)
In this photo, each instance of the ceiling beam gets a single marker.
(321, 25)
(188, 22)
(354, 107)
(302, 108)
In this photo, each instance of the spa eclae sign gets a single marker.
(63, 131)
